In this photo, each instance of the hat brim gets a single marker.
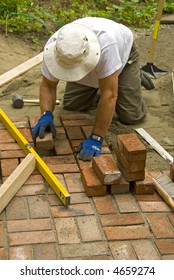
(77, 73)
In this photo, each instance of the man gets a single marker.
(92, 54)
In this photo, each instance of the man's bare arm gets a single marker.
(47, 95)
(106, 106)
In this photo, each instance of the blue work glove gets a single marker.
(90, 147)
(44, 124)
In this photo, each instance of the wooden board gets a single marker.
(20, 69)
(157, 147)
(13, 183)
(167, 19)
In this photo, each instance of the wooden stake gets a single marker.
(13, 183)
(20, 69)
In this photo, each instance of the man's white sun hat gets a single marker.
(74, 54)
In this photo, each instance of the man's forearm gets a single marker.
(104, 115)
(47, 96)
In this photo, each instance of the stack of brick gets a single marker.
(102, 173)
(131, 160)
(78, 128)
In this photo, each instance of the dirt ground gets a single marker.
(160, 119)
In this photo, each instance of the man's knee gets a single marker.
(132, 116)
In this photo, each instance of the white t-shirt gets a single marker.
(115, 41)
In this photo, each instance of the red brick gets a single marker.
(31, 190)
(127, 232)
(21, 124)
(2, 241)
(8, 166)
(33, 237)
(78, 122)
(129, 166)
(60, 133)
(38, 206)
(20, 253)
(89, 233)
(120, 188)
(17, 209)
(6, 137)
(105, 205)
(121, 219)
(106, 169)
(28, 225)
(122, 250)
(72, 210)
(63, 147)
(131, 176)
(165, 246)
(75, 117)
(131, 147)
(46, 143)
(74, 182)
(18, 123)
(64, 159)
(45, 252)
(168, 257)
(61, 136)
(148, 197)
(57, 167)
(54, 200)
(171, 218)
(9, 147)
(145, 250)
(67, 231)
(146, 186)
(74, 133)
(83, 250)
(83, 164)
(105, 150)
(34, 179)
(160, 225)
(3, 254)
(12, 154)
(26, 133)
(91, 183)
(126, 203)
(102, 257)
(154, 206)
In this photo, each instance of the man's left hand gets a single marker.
(90, 147)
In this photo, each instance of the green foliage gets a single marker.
(41, 17)
(169, 6)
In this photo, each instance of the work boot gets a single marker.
(146, 81)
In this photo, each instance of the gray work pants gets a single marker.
(130, 106)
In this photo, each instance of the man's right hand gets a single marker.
(45, 123)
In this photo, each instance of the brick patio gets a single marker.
(36, 225)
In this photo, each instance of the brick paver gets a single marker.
(115, 226)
